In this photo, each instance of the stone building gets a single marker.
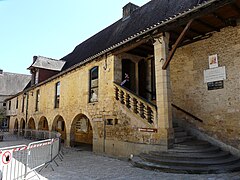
(10, 85)
(121, 89)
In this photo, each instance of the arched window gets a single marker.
(93, 91)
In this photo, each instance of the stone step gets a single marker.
(180, 134)
(211, 149)
(183, 139)
(183, 146)
(190, 156)
(178, 129)
(190, 162)
(215, 169)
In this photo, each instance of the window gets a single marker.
(17, 103)
(9, 105)
(93, 91)
(4, 104)
(23, 103)
(57, 95)
(37, 100)
(36, 76)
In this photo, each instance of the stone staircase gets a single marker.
(189, 155)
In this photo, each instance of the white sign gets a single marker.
(214, 74)
(213, 61)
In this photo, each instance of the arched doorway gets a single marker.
(81, 132)
(16, 126)
(43, 124)
(59, 126)
(31, 124)
(22, 127)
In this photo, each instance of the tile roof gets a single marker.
(47, 63)
(12, 83)
(153, 13)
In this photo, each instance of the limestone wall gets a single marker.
(120, 125)
(220, 109)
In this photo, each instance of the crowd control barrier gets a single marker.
(21, 161)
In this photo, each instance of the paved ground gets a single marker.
(85, 165)
(82, 164)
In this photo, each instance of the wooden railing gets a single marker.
(136, 104)
(187, 113)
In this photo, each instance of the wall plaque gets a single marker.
(214, 74)
(215, 85)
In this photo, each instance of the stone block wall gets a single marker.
(219, 109)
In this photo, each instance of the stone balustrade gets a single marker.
(136, 104)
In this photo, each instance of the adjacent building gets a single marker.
(10, 85)
(121, 89)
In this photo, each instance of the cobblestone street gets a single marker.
(85, 165)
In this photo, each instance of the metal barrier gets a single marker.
(22, 161)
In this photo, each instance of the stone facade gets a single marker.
(115, 124)
(219, 109)
(114, 128)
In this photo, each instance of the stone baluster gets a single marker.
(134, 105)
(150, 116)
(127, 100)
(122, 96)
(141, 109)
(116, 93)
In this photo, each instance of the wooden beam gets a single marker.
(219, 17)
(235, 7)
(177, 34)
(175, 46)
(196, 31)
(207, 25)
(129, 46)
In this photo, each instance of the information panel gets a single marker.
(214, 74)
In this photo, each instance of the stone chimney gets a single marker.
(128, 10)
(1, 71)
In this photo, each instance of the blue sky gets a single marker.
(50, 28)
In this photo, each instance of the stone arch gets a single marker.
(16, 126)
(22, 126)
(60, 126)
(81, 133)
(31, 124)
(43, 124)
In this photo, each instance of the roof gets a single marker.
(146, 16)
(12, 83)
(47, 63)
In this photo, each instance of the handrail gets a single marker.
(188, 113)
(138, 105)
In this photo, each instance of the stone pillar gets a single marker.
(163, 92)
(67, 142)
